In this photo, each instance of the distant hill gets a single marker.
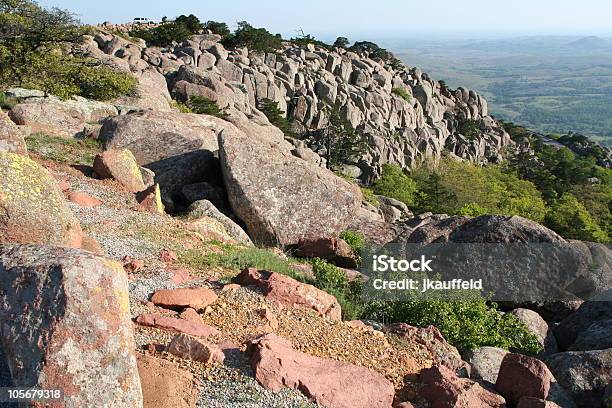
(590, 43)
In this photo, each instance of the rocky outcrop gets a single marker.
(334, 250)
(485, 363)
(330, 383)
(32, 208)
(66, 325)
(568, 331)
(204, 208)
(523, 376)
(11, 137)
(289, 292)
(538, 326)
(299, 200)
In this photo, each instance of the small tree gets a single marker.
(255, 39)
(276, 116)
(193, 24)
(570, 219)
(218, 28)
(395, 184)
(163, 35)
(342, 42)
(434, 197)
(342, 141)
(469, 128)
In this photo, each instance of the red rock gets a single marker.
(150, 200)
(430, 337)
(358, 324)
(191, 315)
(84, 199)
(229, 287)
(523, 376)
(330, 383)
(195, 298)
(445, 390)
(167, 256)
(531, 402)
(179, 325)
(179, 275)
(91, 245)
(165, 385)
(271, 322)
(191, 348)
(121, 166)
(132, 265)
(335, 250)
(289, 292)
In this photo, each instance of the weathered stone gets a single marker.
(330, 383)
(539, 327)
(485, 363)
(589, 312)
(11, 137)
(204, 191)
(282, 198)
(445, 390)
(289, 292)
(195, 298)
(32, 209)
(191, 348)
(84, 199)
(120, 165)
(66, 325)
(335, 250)
(584, 374)
(523, 376)
(205, 208)
(165, 385)
(597, 336)
(530, 402)
(150, 200)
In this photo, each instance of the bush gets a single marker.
(472, 210)
(343, 143)
(333, 280)
(102, 83)
(163, 35)
(369, 196)
(569, 218)
(395, 184)
(355, 240)
(305, 39)
(255, 39)
(218, 28)
(466, 325)
(191, 22)
(469, 128)
(341, 42)
(276, 116)
(402, 93)
(203, 106)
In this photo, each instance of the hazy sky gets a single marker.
(378, 18)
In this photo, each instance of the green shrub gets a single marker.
(395, 184)
(180, 106)
(402, 93)
(191, 22)
(472, 210)
(218, 28)
(304, 39)
(276, 116)
(341, 42)
(469, 128)
(369, 196)
(333, 280)
(255, 39)
(466, 325)
(103, 83)
(355, 240)
(328, 275)
(6, 102)
(204, 106)
(570, 219)
(163, 35)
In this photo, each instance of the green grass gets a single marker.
(402, 93)
(63, 150)
(236, 258)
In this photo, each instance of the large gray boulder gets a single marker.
(65, 319)
(280, 197)
(177, 147)
(598, 336)
(584, 374)
(571, 327)
(204, 208)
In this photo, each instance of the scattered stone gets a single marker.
(84, 199)
(570, 328)
(167, 256)
(165, 385)
(271, 322)
(179, 275)
(204, 208)
(195, 298)
(178, 325)
(120, 165)
(523, 376)
(11, 137)
(445, 390)
(132, 265)
(33, 208)
(78, 337)
(583, 374)
(280, 197)
(330, 383)
(150, 200)
(191, 315)
(191, 348)
(335, 250)
(289, 292)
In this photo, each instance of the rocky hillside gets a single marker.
(405, 114)
(155, 258)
